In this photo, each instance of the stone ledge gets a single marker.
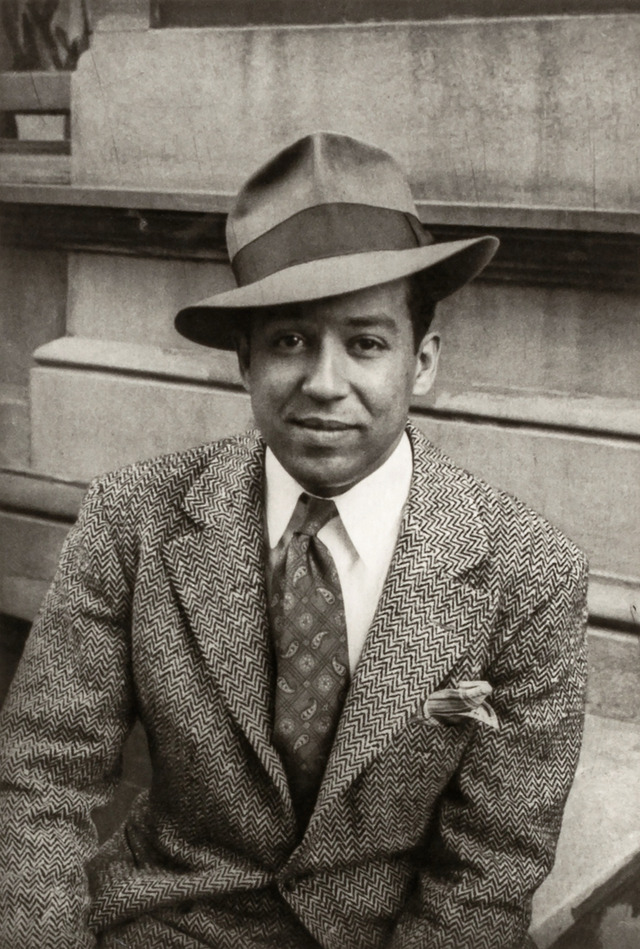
(604, 259)
(38, 168)
(204, 367)
(616, 599)
(592, 414)
(431, 212)
(201, 14)
(55, 498)
(600, 839)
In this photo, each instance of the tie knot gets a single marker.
(319, 511)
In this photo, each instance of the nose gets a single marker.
(325, 377)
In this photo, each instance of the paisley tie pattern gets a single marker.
(312, 658)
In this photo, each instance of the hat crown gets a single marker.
(328, 215)
(322, 168)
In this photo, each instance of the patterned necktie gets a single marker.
(312, 658)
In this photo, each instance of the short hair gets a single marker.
(422, 308)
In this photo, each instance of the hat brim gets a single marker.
(215, 321)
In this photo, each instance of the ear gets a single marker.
(426, 364)
(243, 354)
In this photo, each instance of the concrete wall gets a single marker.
(519, 111)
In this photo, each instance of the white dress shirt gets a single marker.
(361, 540)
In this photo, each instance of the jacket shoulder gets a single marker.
(153, 491)
(522, 543)
(545, 546)
(533, 561)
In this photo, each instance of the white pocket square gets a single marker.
(461, 700)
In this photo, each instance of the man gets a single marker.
(360, 669)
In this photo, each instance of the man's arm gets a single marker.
(499, 820)
(61, 733)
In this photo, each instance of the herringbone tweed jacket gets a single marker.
(424, 835)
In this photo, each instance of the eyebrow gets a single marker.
(372, 321)
(366, 321)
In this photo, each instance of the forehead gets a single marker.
(385, 305)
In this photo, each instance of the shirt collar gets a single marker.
(368, 510)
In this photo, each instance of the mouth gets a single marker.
(318, 424)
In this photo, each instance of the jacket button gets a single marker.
(289, 884)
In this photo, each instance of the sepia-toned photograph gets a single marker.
(320, 474)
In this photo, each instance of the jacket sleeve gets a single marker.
(496, 833)
(62, 729)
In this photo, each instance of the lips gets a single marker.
(319, 424)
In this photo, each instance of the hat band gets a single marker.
(327, 230)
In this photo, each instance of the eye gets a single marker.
(368, 346)
(289, 342)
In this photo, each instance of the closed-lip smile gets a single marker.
(319, 424)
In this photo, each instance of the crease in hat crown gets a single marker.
(320, 168)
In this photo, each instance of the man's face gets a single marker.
(331, 380)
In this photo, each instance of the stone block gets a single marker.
(50, 169)
(614, 674)
(135, 299)
(118, 15)
(14, 426)
(29, 551)
(33, 296)
(525, 111)
(85, 423)
(587, 486)
(509, 338)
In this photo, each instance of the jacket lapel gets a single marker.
(217, 571)
(425, 620)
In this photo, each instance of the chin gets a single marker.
(324, 483)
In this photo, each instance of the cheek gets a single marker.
(268, 385)
(389, 395)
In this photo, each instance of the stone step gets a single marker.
(600, 839)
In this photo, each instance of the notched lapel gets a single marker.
(216, 569)
(427, 617)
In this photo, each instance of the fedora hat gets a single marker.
(327, 215)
